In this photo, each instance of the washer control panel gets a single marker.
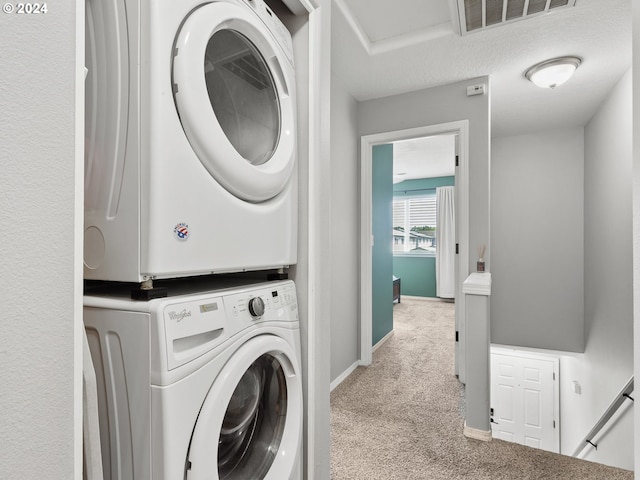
(256, 307)
(277, 302)
(194, 327)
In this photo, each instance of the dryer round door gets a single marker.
(250, 424)
(234, 92)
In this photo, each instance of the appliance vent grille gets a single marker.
(476, 15)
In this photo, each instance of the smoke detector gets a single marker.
(477, 15)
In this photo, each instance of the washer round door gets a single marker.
(250, 424)
(234, 92)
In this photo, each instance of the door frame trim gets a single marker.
(367, 142)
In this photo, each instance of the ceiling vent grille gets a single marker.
(477, 15)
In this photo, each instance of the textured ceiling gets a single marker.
(390, 19)
(424, 157)
(375, 58)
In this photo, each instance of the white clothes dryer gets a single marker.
(190, 132)
(199, 386)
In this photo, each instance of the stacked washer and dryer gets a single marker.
(191, 180)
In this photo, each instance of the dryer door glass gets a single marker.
(254, 421)
(243, 95)
(234, 91)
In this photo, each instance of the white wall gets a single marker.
(537, 240)
(311, 39)
(636, 214)
(345, 227)
(41, 214)
(608, 360)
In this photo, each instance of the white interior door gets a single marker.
(525, 400)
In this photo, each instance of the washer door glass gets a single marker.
(253, 424)
(234, 90)
(250, 424)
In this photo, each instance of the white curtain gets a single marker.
(445, 242)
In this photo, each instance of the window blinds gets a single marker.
(414, 212)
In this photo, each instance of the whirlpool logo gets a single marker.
(179, 316)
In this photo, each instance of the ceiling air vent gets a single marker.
(477, 15)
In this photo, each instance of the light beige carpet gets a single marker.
(401, 418)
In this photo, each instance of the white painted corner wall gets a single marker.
(41, 207)
(636, 214)
(608, 272)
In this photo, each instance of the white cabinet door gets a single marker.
(525, 400)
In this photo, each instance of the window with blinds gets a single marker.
(414, 224)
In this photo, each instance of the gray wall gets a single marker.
(40, 281)
(432, 106)
(345, 229)
(416, 109)
(537, 240)
(534, 299)
(608, 278)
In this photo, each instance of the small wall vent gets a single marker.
(476, 15)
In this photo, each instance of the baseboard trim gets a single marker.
(428, 299)
(343, 376)
(469, 432)
(382, 341)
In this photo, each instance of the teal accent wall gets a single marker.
(418, 273)
(413, 187)
(382, 261)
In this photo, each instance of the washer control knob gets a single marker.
(256, 307)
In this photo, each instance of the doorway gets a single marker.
(460, 131)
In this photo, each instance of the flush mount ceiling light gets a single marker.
(554, 72)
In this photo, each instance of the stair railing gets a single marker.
(624, 394)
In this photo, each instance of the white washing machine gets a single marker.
(199, 386)
(190, 139)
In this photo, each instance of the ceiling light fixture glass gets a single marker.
(554, 72)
